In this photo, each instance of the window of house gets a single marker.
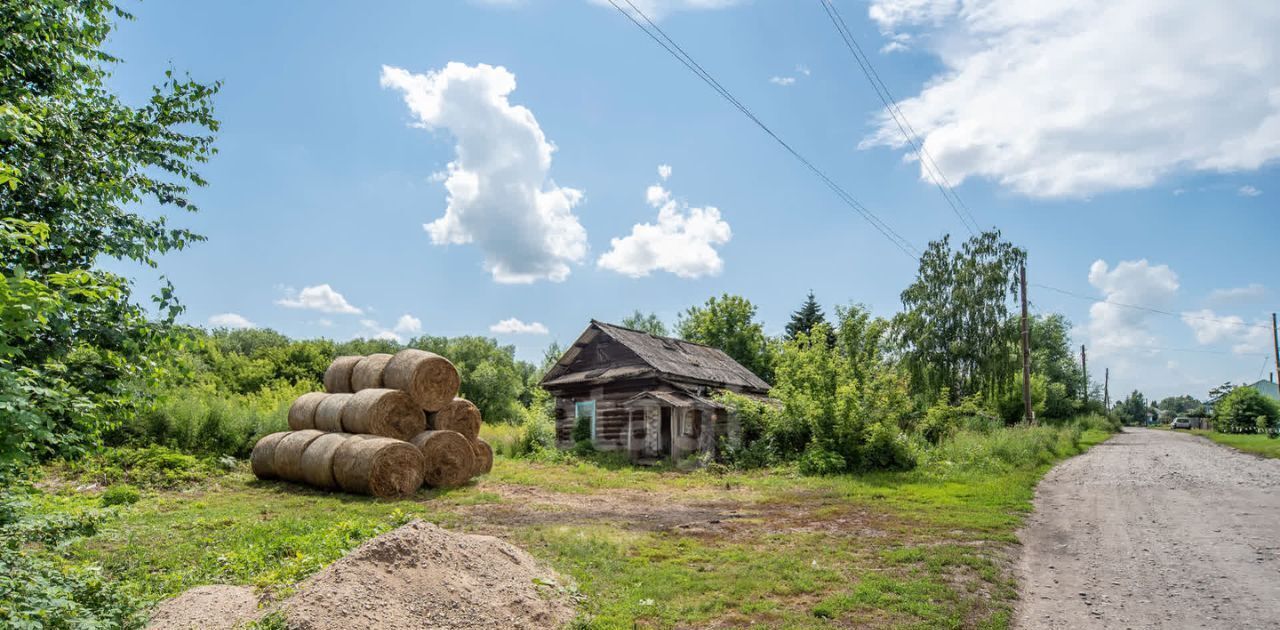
(587, 409)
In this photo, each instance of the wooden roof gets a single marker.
(644, 354)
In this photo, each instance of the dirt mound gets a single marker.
(421, 576)
(216, 607)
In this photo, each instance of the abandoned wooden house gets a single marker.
(650, 396)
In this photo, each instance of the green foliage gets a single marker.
(943, 419)
(1132, 410)
(728, 323)
(149, 467)
(1245, 410)
(492, 378)
(120, 494)
(955, 326)
(539, 425)
(76, 164)
(646, 323)
(581, 429)
(803, 320)
(1175, 406)
(1010, 404)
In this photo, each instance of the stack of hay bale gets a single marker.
(385, 425)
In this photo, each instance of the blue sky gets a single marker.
(1108, 148)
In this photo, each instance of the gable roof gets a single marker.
(663, 356)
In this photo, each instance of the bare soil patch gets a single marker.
(214, 607)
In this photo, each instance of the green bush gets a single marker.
(818, 460)
(582, 429)
(943, 419)
(886, 448)
(120, 494)
(149, 467)
(1240, 410)
(202, 421)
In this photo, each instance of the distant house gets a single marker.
(1268, 389)
(650, 396)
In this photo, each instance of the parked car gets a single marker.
(1181, 423)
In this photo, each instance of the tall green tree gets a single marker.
(1133, 410)
(76, 166)
(728, 323)
(650, 323)
(806, 317)
(955, 328)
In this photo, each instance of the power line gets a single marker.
(891, 106)
(1184, 316)
(688, 61)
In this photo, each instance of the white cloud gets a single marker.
(783, 81)
(408, 324)
(321, 298)
(513, 326)
(803, 69)
(1244, 337)
(1113, 328)
(1057, 99)
(371, 329)
(326, 323)
(230, 320)
(500, 195)
(658, 9)
(682, 242)
(664, 171)
(1248, 191)
(1253, 291)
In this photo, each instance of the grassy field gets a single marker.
(1256, 444)
(929, 548)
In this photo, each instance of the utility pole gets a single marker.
(1275, 340)
(1106, 390)
(1028, 414)
(1084, 367)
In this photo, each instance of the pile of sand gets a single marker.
(417, 576)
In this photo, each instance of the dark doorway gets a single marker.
(665, 437)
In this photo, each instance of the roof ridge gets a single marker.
(643, 332)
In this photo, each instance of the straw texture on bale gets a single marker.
(484, 457)
(302, 413)
(367, 373)
(330, 411)
(288, 453)
(264, 453)
(386, 412)
(430, 379)
(459, 415)
(447, 456)
(378, 466)
(317, 460)
(337, 377)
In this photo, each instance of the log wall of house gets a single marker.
(611, 418)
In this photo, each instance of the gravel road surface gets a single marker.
(1154, 529)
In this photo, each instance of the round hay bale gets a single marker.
(367, 372)
(379, 466)
(484, 457)
(263, 457)
(447, 456)
(302, 413)
(287, 459)
(317, 460)
(459, 415)
(430, 379)
(337, 377)
(330, 411)
(386, 412)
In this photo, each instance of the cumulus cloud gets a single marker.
(664, 171)
(321, 298)
(783, 81)
(500, 196)
(1060, 99)
(1244, 337)
(408, 324)
(682, 242)
(230, 320)
(1253, 291)
(1248, 191)
(658, 9)
(513, 326)
(1113, 328)
(372, 329)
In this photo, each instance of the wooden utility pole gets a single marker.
(1275, 340)
(1106, 390)
(1084, 367)
(1028, 414)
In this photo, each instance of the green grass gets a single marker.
(929, 548)
(1249, 443)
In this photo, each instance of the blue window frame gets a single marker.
(587, 408)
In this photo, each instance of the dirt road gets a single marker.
(1154, 529)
